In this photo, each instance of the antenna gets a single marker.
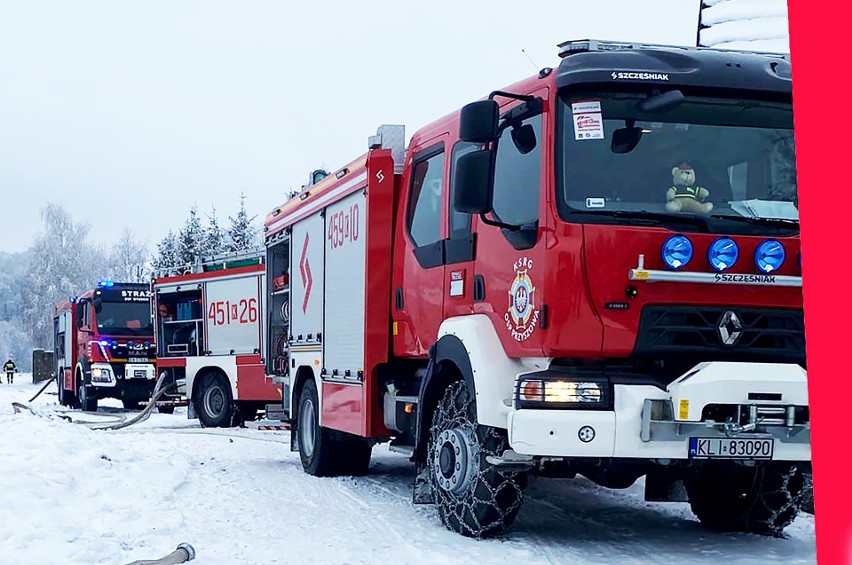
(530, 60)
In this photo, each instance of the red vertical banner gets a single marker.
(823, 121)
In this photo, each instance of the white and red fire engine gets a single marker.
(104, 346)
(594, 271)
(209, 334)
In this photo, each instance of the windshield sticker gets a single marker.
(595, 202)
(588, 120)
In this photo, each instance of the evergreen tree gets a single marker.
(214, 236)
(190, 239)
(167, 256)
(242, 235)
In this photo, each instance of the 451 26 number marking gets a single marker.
(224, 313)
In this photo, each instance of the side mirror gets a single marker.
(478, 121)
(473, 187)
(79, 323)
(524, 138)
(97, 303)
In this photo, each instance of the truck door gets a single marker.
(510, 263)
(418, 275)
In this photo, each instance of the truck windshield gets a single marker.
(728, 161)
(124, 318)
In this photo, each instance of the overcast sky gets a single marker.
(128, 113)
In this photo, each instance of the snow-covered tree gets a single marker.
(215, 241)
(242, 234)
(129, 258)
(190, 240)
(166, 260)
(61, 267)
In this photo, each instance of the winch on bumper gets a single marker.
(717, 410)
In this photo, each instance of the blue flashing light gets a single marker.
(114, 343)
(769, 256)
(147, 344)
(677, 251)
(106, 284)
(104, 343)
(723, 253)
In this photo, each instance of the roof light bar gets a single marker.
(585, 45)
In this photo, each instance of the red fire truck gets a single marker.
(593, 271)
(209, 329)
(104, 346)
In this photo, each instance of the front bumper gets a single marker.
(103, 375)
(649, 423)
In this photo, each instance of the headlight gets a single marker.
(101, 375)
(723, 253)
(554, 393)
(769, 256)
(677, 251)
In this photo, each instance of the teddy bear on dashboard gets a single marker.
(684, 195)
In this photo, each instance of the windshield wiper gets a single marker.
(757, 220)
(654, 218)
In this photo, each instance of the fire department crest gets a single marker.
(522, 315)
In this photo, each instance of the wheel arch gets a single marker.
(303, 374)
(469, 348)
(201, 373)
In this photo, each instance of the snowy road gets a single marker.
(70, 495)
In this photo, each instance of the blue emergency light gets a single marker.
(769, 256)
(106, 284)
(723, 253)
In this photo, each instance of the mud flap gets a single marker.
(190, 411)
(660, 487)
(294, 439)
(422, 492)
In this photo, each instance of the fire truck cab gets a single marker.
(209, 328)
(593, 271)
(104, 346)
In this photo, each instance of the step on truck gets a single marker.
(209, 329)
(104, 347)
(595, 271)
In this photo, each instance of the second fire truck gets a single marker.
(104, 347)
(209, 328)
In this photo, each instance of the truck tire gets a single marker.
(474, 498)
(61, 395)
(762, 500)
(214, 403)
(88, 403)
(317, 449)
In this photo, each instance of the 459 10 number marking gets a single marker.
(224, 313)
(343, 226)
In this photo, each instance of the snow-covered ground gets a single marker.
(72, 495)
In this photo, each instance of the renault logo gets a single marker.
(730, 328)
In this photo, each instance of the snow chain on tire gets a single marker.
(478, 499)
(765, 504)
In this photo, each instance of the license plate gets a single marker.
(138, 360)
(142, 374)
(724, 448)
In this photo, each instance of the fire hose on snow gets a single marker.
(182, 554)
(117, 424)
